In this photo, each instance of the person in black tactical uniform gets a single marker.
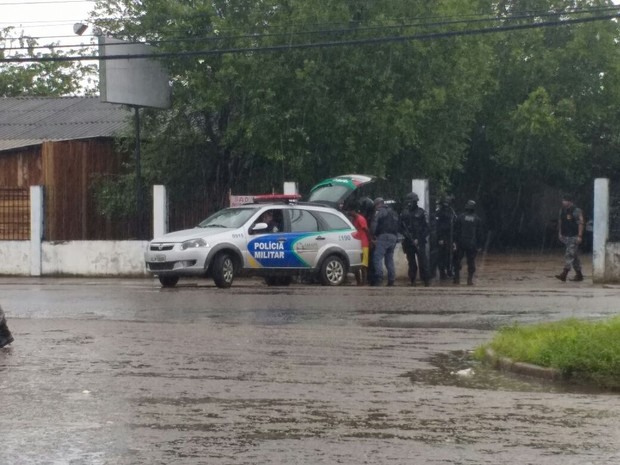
(468, 240)
(384, 232)
(444, 228)
(414, 228)
(5, 335)
(570, 232)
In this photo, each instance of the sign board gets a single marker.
(141, 82)
(236, 200)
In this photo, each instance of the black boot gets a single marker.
(457, 279)
(562, 275)
(470, 279)
(578, 276)
(5, 335)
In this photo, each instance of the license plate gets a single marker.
(159, 258)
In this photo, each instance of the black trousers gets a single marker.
(444, 259)
(471, 260)
(416, 259)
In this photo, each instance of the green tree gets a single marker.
(251, 120)
(548, 121)
(40, 78)
(496, 116)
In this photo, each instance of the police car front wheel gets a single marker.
(223, 270)
(333, 271)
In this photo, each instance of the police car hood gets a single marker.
(187, 234)
(335, 191)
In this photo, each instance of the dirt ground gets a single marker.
(520, 269)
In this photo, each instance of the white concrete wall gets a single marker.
(94, 258)
(612, 263)
(15, 258)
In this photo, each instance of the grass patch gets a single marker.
(583, 351)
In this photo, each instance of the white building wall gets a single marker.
(15, 258)
(94, 258)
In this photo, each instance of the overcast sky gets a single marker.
(51, 20)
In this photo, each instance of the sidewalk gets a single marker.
(515, 269)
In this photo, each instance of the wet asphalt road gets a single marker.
(122, 372)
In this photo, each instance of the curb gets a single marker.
(527, 369)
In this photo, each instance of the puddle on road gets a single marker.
(482, 376)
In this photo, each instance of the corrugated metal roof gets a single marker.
(26, 121)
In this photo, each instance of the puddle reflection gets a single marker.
(460, 369)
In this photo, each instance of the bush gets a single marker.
(581, 350)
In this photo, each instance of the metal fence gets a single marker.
(14, 213)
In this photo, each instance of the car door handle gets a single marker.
(319, 238)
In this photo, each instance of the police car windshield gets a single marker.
(228, 218)
(330, 193)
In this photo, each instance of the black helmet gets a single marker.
(412, 197)
(445, 200)
(351, 205)
(470, 205)
(366, 204)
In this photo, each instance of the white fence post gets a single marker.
(36, 229)
(420, 187)
(290, 188)
(160, 211)
(600, 227)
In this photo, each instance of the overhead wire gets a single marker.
(350, 42)
(319, 28)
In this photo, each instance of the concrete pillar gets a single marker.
(36, 229)
(160, 211)
(420, 187)
(600, 226)
(290, 188)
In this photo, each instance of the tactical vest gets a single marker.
(570, 223)
(469, 226)
(388, 223)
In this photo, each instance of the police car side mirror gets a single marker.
(259, 227)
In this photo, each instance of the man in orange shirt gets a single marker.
(360, 223)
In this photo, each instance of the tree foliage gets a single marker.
(39, 78)
(478, 114)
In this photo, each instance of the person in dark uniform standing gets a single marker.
(468, 241)
(414, 228)
(5, 335)
(444, 227)
(570, 233)
(384, 231)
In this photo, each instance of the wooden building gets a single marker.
(62, 144)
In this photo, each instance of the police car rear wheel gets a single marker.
(223, 270)
(168, 281)
(333, 271)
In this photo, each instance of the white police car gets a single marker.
(277, 240)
